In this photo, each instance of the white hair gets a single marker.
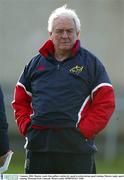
(63, 11)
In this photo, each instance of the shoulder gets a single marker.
(90, 58)
(35, 59)
(34, 62)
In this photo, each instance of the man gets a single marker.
(4, 141)
(62, 100)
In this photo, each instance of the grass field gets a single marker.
(114, 167)
(103, 167)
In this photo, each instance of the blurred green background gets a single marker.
(23, 29)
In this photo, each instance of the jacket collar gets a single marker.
(48, 48)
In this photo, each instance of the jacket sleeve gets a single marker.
(4, 141)
(22, 107)
(22, 102)
(97, 111)
(99, 105)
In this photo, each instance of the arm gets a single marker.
(22, 107)
(100, 104)
(97, 111)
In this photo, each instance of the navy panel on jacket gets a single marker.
(59, 87)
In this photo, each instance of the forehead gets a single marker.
(63, 23)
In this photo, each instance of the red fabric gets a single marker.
(96, 114)
(23, 109)
(39, 127)
(75, 48)
(48, 48)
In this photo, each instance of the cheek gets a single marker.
(75, 37)
(72, 38)
(54, 38)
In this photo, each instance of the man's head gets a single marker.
(63, 28)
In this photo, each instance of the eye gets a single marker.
(69, 31)
(59, 31)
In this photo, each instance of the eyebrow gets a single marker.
(64, 29)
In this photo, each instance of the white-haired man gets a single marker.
(62, 100)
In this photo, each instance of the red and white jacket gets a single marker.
(75, 93)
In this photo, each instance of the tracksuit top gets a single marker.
(61, 106)
(4, 141)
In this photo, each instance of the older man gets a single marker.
(62, 100)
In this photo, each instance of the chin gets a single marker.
(65, 47)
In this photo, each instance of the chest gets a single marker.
(68, 76)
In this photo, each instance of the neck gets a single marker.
(61, 56)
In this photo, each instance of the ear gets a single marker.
(50, 35)
(78, 34)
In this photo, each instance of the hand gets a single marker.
(3, 158)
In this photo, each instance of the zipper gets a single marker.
(58, 66)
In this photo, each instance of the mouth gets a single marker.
(66, 43)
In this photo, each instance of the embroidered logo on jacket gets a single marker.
(41, 68)
(77, 69)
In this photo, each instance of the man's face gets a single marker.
(64, 33)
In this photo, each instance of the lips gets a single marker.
(65, 42)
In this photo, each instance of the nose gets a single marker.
(64, 34)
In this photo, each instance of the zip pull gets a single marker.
(58, 66)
